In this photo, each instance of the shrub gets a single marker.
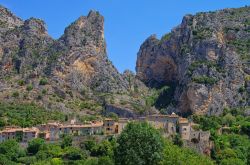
(242, 89)
(165, 37)
(29, 87)
(202, 33)
(39, 97)
(15, 94)
(204, 80)
(44, 91)
(66, 141)
(43, 81)
(73, 153)
(34, 145)
(21, 82)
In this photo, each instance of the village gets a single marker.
(169, 125)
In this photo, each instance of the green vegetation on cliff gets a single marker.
(230, 133)
(26, 115)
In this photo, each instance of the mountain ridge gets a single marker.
(199, 56)
(55, 72)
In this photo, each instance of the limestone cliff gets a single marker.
(207, 59)
(72, 73)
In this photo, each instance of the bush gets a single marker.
(27, 115)
(11, 150)
(44, 91)
(73, 153)
(34, 145)
(202, 33)
(242, 89)
(15, 94)
(177, 155)
(67, 141)
(245, 128)
(177, 140)
(166, 37)
(21, 82)
(204, 80)
(43, 81)
(105, 148)
(29, 87)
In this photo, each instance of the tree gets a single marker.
(105, 148)
(34, 145)
(5, 161)
(245, 128)
(228, 119)
(56, 161)
(139, 143)
(248, 155)
(67, 141)
(105, 160)
(232, 161)
(177, 140)
(174, 154)
(49, 151)
(73, 153)
(88, 145)
(11, 150)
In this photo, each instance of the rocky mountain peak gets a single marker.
(8, 20)
(35, 26)
(85, 31)
(205, 59)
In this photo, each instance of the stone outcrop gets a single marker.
(207, 58)
(63, 73)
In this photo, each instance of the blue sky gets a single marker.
(127, 22)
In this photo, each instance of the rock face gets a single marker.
(83, 61)
(70, 74)
(207, 58)
(78, 59)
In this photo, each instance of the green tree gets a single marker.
(34, 145)
(232, 161)
(56, 161)
(139, 143)
(105, 148)
(66, 141)
(11, 150)
(245, 128)
(248, 155)
(88, 145)
(177, 140)
(49, 151)
(228, 119)
(174, 154)
(4, 160)
(73, 153)
(105, 160)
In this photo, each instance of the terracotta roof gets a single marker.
(183, 120)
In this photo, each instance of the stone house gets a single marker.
(184, 128)
(30, 133)
(110, 126)
(167, 123)
(20, 134)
